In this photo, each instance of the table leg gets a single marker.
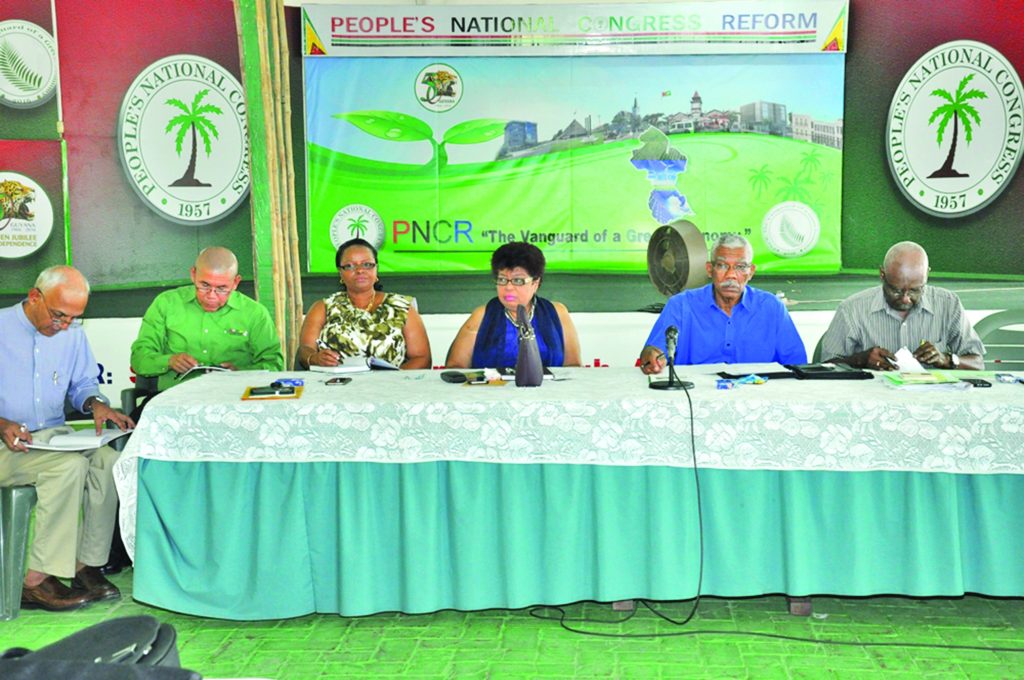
(799, 606)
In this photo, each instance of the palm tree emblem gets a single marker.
(958, 109)
(192, 118)
(810, 161)
(357, 226)
(759, 179)
(794, 189)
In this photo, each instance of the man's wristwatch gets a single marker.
(88, 404)
(954, 360)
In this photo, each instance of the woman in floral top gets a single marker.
(361, 320)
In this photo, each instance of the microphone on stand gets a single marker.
(673, 382)
(529, 369)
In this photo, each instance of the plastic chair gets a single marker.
(133, 398)
(16, 503)
(816, 357)
(1003, 335)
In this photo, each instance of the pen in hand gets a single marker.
(17, 438)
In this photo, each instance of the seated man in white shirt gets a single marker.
(869, 327)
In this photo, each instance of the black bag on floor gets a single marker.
(129, 641)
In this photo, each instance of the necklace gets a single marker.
(369, 306)
(529, 313)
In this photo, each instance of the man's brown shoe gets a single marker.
(53, 596)
(95, 584)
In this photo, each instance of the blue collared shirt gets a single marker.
(759, 330)
(37, 372)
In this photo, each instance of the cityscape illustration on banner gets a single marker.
(439, 133)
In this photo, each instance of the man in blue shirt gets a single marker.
(726, 321)
(47, 360)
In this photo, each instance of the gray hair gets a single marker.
(904, 250)
(61, 275)
(731, 241)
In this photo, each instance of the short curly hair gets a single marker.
(519, 254)
(362, 243)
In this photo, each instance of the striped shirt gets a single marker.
(864, 320)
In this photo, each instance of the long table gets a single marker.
(400, 492)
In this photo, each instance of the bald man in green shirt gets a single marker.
(206, 324)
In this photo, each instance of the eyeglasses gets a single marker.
(59, 318)
(516, 281)
(723, 267)
(206, 289)
(892, 290)
(365, 266)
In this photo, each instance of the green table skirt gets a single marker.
(275, 540)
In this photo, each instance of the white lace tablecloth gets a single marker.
(602, 416)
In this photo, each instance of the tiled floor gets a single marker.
(514, 644)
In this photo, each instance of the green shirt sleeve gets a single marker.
(150, 356)
(264, 344)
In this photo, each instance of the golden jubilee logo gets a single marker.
(182, 139)
(954, 128)
(26, 215)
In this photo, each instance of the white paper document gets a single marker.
(80, 440)
(907, 363)
(356, 364)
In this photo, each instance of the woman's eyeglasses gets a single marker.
(515, 281)
(366, 266)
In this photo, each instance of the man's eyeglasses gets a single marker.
(206, 289)
(723, 267)
(515, 281)
(365, 266)
(59, 318)
(893, 291)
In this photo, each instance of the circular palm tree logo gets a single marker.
(28, 65)
(357, 221)
(182, 137)
(954, 128)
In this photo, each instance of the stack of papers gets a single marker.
(926, 381)
(80, 440)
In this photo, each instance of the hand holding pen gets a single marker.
(15, 435)
(323, 356)
(652, 360)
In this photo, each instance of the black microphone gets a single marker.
(521, 321)
(673, 382)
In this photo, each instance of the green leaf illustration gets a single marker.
(389, 125)
(475, 131)
(16, 71)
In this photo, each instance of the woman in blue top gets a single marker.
(489, 338)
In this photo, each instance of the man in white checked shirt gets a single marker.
(869, 327)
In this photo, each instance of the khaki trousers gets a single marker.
(66, 483)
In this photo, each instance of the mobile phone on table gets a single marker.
(338, 381)
(269, 391)
(977, 382)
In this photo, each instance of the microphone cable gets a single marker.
(564, 620)
(562, 617)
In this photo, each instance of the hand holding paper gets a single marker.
(906, 362)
